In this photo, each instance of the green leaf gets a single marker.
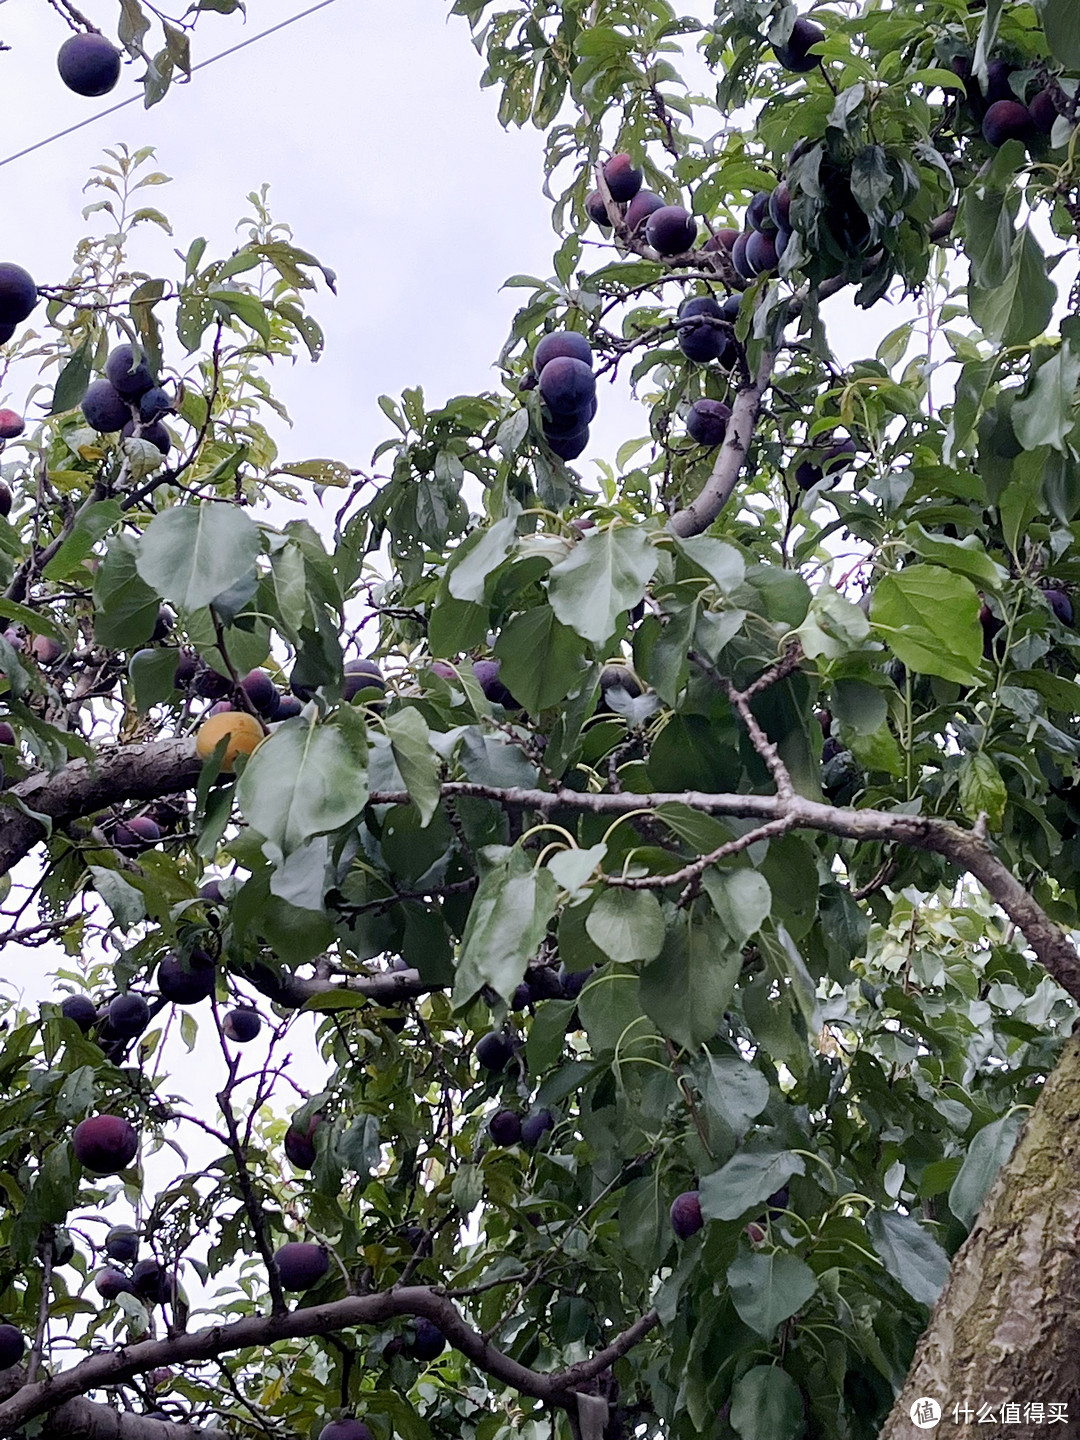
(125, 902)
(305, 780)
(92, 525)
(547, 1034)
(982, 790)
(985, 1156)
(152, 674)
(192, 553)
(735, 1091)
(766, 1404)
(742, 900)
(483, 552)
(626, 924)
(1046, 414)
(1021, 306)
(835, 626)
(604, 575)
(507, 921)
(909, 1253)
(73, 379)
(541, 659)
(746, 1182)
(768, 1289)
(1062, 32)
(125, 607)
(967, 557)
(723, 564)
(419, 765)
(930, 618)
(687, 988)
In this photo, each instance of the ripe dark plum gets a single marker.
(1043, 112)
(151, 1282)
(487, 676)
(288, 707)
(686, 1217)
(780, 206)
(6, 332)
(757, 210)
(128, 1016)
(644, 204)
(136, 832)
(574, 981)
(122, 1243)
(780, 240)
(504, 1127)
(723, 240)
(428, 1340)
(569, 447)
(623, 180)
(155, 432)
(7, 734)
(210, 684)
(562, 343)
(567, 385)
(187, 666)
(154, 404)
(104, 408)
(242, 1024)
(261, 691)
(300, 1264)
(362, 675)
(493, 1051)
(345, 1430)
(46, 650)
(793, 54)
(5, 498)
(18, 293)
(671, 230)
(570, 424)
(89, 65)
(300, 1142)
(128, 377)
(186, 981)
(1007, 120)
(12, 1346)
(533, 1127)
(701, 343)
(998, 75)
(110, 1283)
(1060, 604)
(706, 422)
(105, 1144)
(596, 209)
(738, 256)
(761, 253)
(81, 1009)
(12, 425)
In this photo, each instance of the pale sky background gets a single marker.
(388, 161)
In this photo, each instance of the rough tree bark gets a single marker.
(1006, 1327)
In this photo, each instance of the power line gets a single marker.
(251, 40)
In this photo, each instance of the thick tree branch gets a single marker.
(114, 1367)
(717, 490)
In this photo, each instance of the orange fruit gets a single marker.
(243, 730)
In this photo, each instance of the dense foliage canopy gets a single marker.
(683, 888)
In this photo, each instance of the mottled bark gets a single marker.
(1007, 1324)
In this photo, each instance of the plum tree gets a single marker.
(300, 1264)
(89, 64)
(105, 1144)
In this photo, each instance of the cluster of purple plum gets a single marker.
(562, 365)
(641, 214)
(128, 399)
(147, 1280)
(1001, 112)
(260, 693)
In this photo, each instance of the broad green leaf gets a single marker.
(1047, 413)
(930, 618)
(768, 1289)
(735, 1090)
(92, 524)
(742, 900)
(746, 1182)
(723, 564)
(305, 780)
(687, 988)
(483, 552)
(835, 626)
(909, 1253)
(1021, 306)
(125, 607)
(766, 1404)
(967, 557)
(982, 790)
(73, 379)
(125, 902)
(1062, 31)
(192, 553)
(604, 575)
(541, 659)
(417, 761)
(572, 868)
(152, 674)
(626, 924)
(985, 1156)
(508, 919)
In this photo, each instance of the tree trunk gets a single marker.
(1006, 1327)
